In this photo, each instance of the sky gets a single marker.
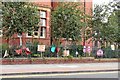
(101, 1)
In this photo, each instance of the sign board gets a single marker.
(53, 49)
(66, 52)
(100, 52)
(84, 49)
(41, 48)
(57, 49)
(76, 53)
(89, 49)
(113, 47)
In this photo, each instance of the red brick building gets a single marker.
(86, 6)
(42, 33)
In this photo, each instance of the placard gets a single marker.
(113, 47)
(66, 53)
(100, 52)
(41, 48)
(53, 49)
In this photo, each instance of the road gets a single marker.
(109, 74)
(75, 70)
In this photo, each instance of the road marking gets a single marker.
(45, 75)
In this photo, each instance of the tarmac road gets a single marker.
(109, 74)
(80, 70)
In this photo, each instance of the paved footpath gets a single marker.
(57, 68)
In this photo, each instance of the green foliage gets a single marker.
(32, 46)
(3, 48)
(18, 17)
(35, 55)
(73, 48)
(70, 57)
(80, 50)
(106, 30)
(66, 21)
(47, 52)
(108, 53)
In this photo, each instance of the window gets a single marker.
(42, 32)
(43, 14)
(29, 34)
(43, 22)
(43, 25)
(35, 33)
(0, 33)
(36, 28)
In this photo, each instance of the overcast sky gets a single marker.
(101, 1)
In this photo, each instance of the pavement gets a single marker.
(57, 68)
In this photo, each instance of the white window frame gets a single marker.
(28, 35)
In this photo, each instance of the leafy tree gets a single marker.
(105, 23)
(19, 17)
(114, 19)
(0, 15)
(67, 21)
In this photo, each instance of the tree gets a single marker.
(67, 21)
(105, 23)
(19, 17)
(114, 19)
(0, 15)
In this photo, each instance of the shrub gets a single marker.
(32, 47)
(70, 57)
(61, 51)
(110, 53)
(80, 50)
(47, 52)
(4, 47)
(73, 48)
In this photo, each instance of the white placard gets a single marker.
(100, 52)
(41, 48)
(66, 52)
(113, 47)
